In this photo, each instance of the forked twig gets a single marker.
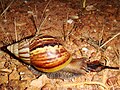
(38, 29)
(43, 20)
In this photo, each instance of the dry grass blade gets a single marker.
(7, 8)
(110, 39)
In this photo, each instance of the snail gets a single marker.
(45, 53)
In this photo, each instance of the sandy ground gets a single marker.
(86, 28)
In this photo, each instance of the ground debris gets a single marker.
(87, 28)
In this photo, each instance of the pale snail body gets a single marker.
(45, 53)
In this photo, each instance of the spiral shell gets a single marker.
(45, 53)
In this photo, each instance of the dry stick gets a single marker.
(72, 29)
(46, 7)
(16, 37)
(35, 18)
(36, 12)
(83, 83)
(41, 24)
(5, 70)
(42, 16)
(65, 27)
(110, 39)
(7, 8)
(66, 24)
(101, 35)
(63, 31)
(84, 3)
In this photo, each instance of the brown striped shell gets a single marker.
(43, 52)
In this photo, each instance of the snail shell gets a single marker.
(45, 53)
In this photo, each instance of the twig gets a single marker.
(110, 40)
(16, 37)
(84, 3)
(83, 83)
(42, 17)
(101, 35)
(46, 7)
(6, 70)
(63, 31)
(65, 27)
(7, 8)
(72, 29)
(41, 24)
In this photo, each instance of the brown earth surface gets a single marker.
(86, 28)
